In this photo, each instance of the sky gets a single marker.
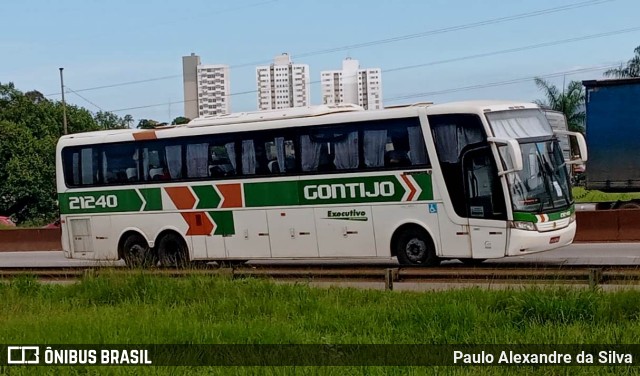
(126, 56)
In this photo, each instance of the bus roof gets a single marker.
(300, 116)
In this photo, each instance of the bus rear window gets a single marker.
(81, 166)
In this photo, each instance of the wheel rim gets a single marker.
(137, 252)
(416, 250)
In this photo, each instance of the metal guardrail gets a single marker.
(450, 275)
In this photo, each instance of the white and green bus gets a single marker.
(423, 183)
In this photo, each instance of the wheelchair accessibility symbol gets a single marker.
(433, 208)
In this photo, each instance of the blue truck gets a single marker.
(613, 137)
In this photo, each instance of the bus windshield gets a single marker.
(543, 183)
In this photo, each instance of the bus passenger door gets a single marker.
(486, 206)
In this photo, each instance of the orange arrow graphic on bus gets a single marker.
(231, 195)
(182, 197)
(199, 223)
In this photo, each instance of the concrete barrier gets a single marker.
(608, 226)
(30, 239)
(593, 226)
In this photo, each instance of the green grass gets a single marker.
(213, 310)
(582, 195)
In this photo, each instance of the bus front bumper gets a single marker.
(522, 242)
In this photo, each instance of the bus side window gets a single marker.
(120, 163)
(198, 160)
(394, 143)
(222, 160)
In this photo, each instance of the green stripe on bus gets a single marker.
(351, 190)
(125, 200)
(153, 197)
(424, 181)
(281, 193)
(524, 217)
(209, 198)
(224, 222)
(531, 217)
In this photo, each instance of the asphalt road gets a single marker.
(575, 254)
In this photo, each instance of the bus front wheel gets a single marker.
(136, 252)
(415, 247)
(172, 251)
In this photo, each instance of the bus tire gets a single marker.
(136, 252)
(414, 246)
(173, 251)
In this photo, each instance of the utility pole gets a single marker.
(64, 105)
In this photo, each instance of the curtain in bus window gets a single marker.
(506, 125)
(87, 166)
(446, 140)
(248, 157)
(105, 171)
(174, 160)
(347, 152)
(280, 153)
(418, 151)
(76, 168)
(197, 160)
(374, 147)
(468, 136)
(450, 139)
(145, 163)
(310, 156)
(231, 153)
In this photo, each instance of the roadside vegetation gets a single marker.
(144, 309)
(583, 195)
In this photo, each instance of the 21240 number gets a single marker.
(91, 202)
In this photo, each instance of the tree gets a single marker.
(180, 120)
(42, 117)
(147, 124)
(631, 69)
(35, 96)
(30, 126)
(109, 120)
(128, 119)
(569, 101)
(27, 174)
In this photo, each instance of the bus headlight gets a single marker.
(572, 218)
(520, 225)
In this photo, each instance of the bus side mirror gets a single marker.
(514, 151)
(582, 146)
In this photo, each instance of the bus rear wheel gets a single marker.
(173, 251)
(415, 247)
(136, 252)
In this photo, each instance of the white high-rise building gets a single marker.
(190, 83)
(213, 90)
(353, 85)
(283, 84)
(206, 88)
